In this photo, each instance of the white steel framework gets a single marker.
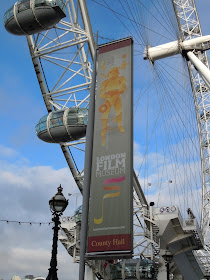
(190, 28)
(68, 48)
(192, 45)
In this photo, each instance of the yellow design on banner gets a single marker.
(111, 90)
(100, 220)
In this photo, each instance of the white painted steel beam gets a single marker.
(87, 25)
(176, 47)
(201, 68)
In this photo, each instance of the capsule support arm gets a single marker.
(201, 68)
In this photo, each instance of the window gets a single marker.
(8, 15)
(23, 5)
(41, 125)
(56, 119)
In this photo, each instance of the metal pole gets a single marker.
(52, 275)
(87, 175)
(151, 229)
(167, 268)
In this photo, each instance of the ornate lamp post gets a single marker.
(58, 204)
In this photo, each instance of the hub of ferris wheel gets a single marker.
(166, 232)
(187, 49)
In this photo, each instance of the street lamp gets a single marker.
(58, 204)
(167, 258)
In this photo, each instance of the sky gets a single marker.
(31, 170)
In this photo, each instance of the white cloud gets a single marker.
(26, 259)
(7, 152)
(185, 189)
(25, 192)
(36, 261)
(17, 180)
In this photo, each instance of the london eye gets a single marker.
(171, 119)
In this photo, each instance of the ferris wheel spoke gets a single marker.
(56, 105)
(74, 146)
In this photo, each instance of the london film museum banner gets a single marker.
(111, 202)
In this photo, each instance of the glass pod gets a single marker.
(28, 17)
(63, 125)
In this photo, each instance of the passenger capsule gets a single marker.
(28, 17)
(63, 125)
(129, 268)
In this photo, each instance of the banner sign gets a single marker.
(111, 201)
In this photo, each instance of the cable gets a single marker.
(75, 164)
(115, 12)
(30, 223)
